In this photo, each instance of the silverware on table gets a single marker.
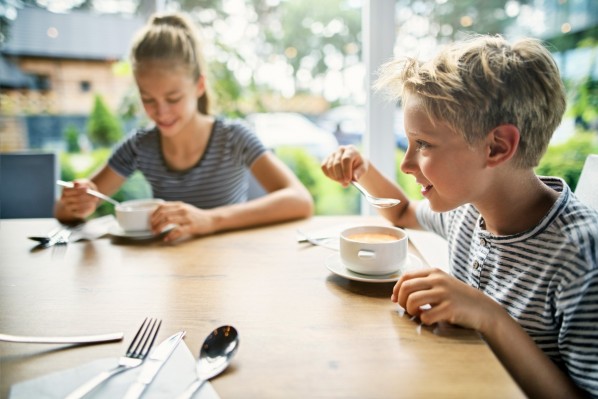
(215, 355)
(45, 238)
(153, 365)
(136, 353)
(322, 242)
(58, 236)
(83, 339)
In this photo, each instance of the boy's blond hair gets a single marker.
(173, 40)
(483, 82)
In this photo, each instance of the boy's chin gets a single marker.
(442, 207)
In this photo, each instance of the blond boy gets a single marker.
(523, 249)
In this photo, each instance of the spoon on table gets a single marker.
(214, 357)
(375, 201)
(90, 192)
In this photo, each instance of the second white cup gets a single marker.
(134, 215)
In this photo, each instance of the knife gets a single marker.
(153, 364)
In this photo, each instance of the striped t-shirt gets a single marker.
(220, 177)
(546, 278)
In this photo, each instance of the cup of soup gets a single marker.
(373, 250)
(134, 215)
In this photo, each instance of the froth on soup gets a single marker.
(372, 237)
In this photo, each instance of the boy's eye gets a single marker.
(147, 100)
(421, 145)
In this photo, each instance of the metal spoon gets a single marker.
(214, 357)
(90, 192)
(375, 201)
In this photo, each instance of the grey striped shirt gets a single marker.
(546, 278)
(219, 178)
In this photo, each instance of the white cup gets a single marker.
(373, 250)
(134, 215)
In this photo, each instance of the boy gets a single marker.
(523, 249)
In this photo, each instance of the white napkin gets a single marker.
(94, 228)
(327, 237)
(173, 378)
(433, 248)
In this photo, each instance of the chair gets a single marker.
(587, 185)
(28, 184)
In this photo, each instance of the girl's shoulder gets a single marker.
(232, 126)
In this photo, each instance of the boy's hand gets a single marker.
(450, 300)
(345, 165)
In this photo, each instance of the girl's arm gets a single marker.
(75, 204)
(286, 199)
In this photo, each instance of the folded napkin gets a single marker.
(433, 248)
(173, 378)
(94, 228)
(327, 237)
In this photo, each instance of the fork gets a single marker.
(136, 353)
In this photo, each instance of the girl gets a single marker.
(199, 164)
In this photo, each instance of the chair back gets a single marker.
(587, 185)
(28, 184)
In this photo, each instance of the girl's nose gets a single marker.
(162, 108)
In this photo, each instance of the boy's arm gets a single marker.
(346, 164)
(402, 215)
(536, 374)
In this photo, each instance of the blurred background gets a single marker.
(293, 69)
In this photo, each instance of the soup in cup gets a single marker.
(134, 215)
(373, 250)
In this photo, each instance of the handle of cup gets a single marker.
(366, 254)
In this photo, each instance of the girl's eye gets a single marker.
(174, 100)
(147, 100)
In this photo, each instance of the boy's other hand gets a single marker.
(449, 299)
(345, 165)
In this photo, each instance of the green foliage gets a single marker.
(329, 197)
(566, 160)
(103, 128)
(71, 136)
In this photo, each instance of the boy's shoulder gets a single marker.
(571, 215)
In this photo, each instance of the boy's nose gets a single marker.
(408, 164)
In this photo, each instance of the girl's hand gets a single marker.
(188, 219)
(450, 300)
(76, 201)
(345, 165)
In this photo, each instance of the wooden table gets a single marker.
(305, 332)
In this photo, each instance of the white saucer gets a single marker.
(116, 231)
(336, 266)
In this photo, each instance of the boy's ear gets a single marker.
(503, 142)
